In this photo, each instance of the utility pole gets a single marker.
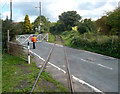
(40, 12)
(40, 16)
(11, 10)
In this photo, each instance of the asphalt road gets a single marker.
(97, 70)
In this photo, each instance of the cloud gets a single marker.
(6, 14)
(26, 8)
(53, 8)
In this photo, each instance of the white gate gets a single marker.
(22, 39)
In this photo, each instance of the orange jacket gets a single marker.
(33, 39)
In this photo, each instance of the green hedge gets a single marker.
(103, 46)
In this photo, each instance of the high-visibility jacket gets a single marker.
(33, 39)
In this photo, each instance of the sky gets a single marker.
(51, 9)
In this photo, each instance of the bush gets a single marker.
(81, 29)
(103, 46)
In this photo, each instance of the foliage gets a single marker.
(6, 25)
(97, 43)
(110, 23)
(70, 19)
(58, 27)
(53, 28)
(45, 24)
(113, 20)
(51, 38)
(81, 28)
(27, 25)
(86, 25)
(18, 28)
(102, 25)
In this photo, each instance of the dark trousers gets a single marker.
(33, 45)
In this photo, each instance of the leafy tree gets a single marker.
(52, 28)
(18, 28)
(90, 26)
(113, 20)
(60, 26)
(27, 25)
(6, 25)
(109, 24)
(102, 25)
(45, 24)
(86, 25)
(70, 19)
(82, 29)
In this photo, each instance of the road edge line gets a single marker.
(75, 78)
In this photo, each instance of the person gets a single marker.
(33, 39)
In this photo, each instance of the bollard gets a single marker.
(28, 53)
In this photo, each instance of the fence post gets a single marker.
(112, 39)
(84, 36)
(8, 42)
(28, 53)
(47, 36)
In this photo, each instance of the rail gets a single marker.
(69, 80)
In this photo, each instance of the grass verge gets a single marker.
(18, 76)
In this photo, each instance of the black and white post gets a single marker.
(28, 53)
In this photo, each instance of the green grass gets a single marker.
(18, 76)
(51, 38)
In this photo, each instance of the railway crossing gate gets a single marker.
(22, 39)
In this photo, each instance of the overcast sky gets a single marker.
(53, 8)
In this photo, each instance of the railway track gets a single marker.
(69, 80)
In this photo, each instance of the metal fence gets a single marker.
(27, 38)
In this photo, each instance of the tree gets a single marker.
(81, 29)
(86, 25)
(70, 19)
(110, 23)
(18, 28)
(102, 25)
(6, 25)
(90, 26)
(45, 24)
(27, 25)
(113, 20)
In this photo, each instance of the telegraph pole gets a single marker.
(40, 15)
(40, 12)
(11, 10)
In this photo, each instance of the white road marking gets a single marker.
(104, 66)
(95, 63)
(77, 79)
(83, 82)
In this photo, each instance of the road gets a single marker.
(97, 70)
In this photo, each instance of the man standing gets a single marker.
(33, 39)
